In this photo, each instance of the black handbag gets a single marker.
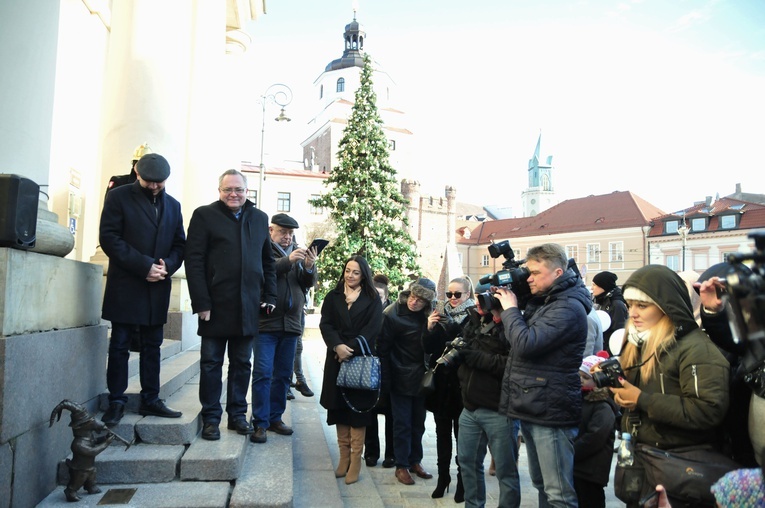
(686, 473)
(428, 383)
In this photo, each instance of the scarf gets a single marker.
(638, 338)
(351, 295)
(459, 313)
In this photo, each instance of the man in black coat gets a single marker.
(231, 274)
(142, 233)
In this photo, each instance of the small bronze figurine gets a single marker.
(85, 446)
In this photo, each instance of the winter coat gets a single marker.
(292, 283)
(613, 303)
(541, 383)
(134, 237)
(341, 325)
(230, 269)
(687, 398)
(484, 360)
(594, 445)
(401, 352)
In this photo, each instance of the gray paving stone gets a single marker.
(215, 460)
(183, 430)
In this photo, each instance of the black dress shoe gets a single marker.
(303, 389)
(370, 461)
(241, 426)
(290, 395)
(280, 428)
(158, 408)
(114, 414)
(259, 436)
(389, 462)
(210, 432)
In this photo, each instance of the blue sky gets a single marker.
(662, 98)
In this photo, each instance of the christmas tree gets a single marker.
(364, 200)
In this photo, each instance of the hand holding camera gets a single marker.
(451, 356)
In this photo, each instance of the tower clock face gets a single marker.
(533, 201)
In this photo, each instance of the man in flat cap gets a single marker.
(142, 233)
(274, 346)
(231, 274)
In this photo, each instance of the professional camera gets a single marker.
(609, 374)
(512, 277)
(451, 356)
(746, 294)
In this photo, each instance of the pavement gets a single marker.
(391, 492)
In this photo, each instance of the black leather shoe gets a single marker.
(259, 436)
(370, 461)
(280, 428)
(158, 408)
(290, 395)
(389, 462)
(241, 426)
(114, 414)
(210, 432)
(303, 389)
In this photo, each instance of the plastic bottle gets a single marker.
(625, 456)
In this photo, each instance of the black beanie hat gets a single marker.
(605, 280)
(152, 167)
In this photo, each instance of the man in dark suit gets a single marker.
(142, 233)
(231, 273)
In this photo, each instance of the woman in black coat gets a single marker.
(349, 311)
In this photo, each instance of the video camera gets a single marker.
(746, 290)
(512, 277)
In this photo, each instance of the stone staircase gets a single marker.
(169, 465)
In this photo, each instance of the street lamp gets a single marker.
(281, 95)
(683, 232)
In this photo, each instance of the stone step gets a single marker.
(220, 460)
(142, 463)
(174, 494)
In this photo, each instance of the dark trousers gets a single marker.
(211, 377)
(372, 438)
(444, 425)
(589, 494)
(117, 364)
(408, 427)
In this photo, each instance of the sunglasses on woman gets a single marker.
(456, 294)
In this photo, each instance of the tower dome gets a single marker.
(353, 55)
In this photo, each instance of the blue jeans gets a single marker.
(211, 377)
(478, 429)
(274, 354)
(408, 427)
(117, 364)
(551, 463)
(298, 366)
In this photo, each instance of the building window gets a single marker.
(313, 209)
(726, 254)
(517, 253)
(485, 260)
(321, 92)
(252, 195)
(341, 85)
(727, 222)
(616, 252)
(671, 226)
(392, 145)
(282, 201)
(572, 252)
(593, 253)
(699, 224)
(673, 262)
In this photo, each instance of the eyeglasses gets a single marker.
(456, 294)
(232, 190)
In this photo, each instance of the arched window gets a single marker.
(341, 85)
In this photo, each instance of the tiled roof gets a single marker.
(752, 215)
(619, 209)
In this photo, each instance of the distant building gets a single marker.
(540, 194)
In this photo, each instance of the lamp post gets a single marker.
(683, 232)
(281, 95)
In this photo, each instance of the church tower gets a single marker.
(335, 90)
(539, 195)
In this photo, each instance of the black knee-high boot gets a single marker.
(459, 492)
(444, 452)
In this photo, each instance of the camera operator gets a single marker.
(714, 319)
(541, 384)
(482, 364)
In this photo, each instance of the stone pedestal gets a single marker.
(52, 347)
